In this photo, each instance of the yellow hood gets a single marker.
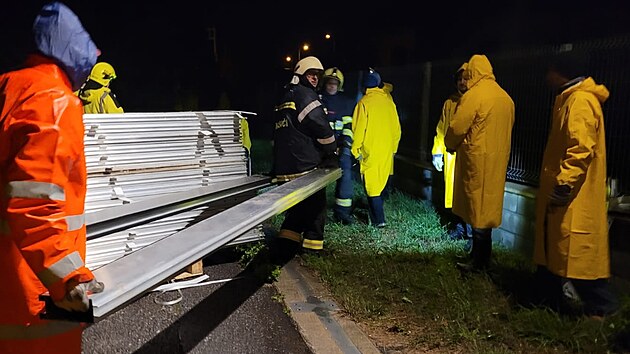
(479, 68)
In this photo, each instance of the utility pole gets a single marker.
(212, 37)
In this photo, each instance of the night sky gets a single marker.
(165, 60)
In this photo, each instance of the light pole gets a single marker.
(329, 37)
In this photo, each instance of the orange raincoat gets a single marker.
(43, 182)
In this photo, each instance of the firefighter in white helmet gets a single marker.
(303, 141)
(339, 108)
(95, 93)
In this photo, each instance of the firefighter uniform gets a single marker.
(43, 184)
(339, 109)
(303, 140)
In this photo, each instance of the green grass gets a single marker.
(404, 278)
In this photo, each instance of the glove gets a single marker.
(560, 195)
(330, 161)
(438, 161)
(76, 299)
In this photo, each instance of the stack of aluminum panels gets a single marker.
(135, 156)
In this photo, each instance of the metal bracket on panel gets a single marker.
(130, 246)
(120, 195)
(92, 131)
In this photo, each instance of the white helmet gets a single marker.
(308, 63)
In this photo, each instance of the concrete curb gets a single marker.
(319, 319)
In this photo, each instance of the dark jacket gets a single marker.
(339, 108)
(303, 139)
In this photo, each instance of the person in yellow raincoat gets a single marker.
(96, 95)
(376, 131)
(571, 245)
(444, 160)
(480, 132)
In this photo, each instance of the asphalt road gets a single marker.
(242, 315)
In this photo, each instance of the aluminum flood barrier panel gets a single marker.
(131, 276)
(132, 157)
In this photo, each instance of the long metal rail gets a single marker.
(107, 221)
(129, 277)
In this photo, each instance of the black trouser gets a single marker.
(596, 296)
(481, 247)
(308, 217)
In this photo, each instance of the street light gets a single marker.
(304, 47)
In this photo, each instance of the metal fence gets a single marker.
(420, 90)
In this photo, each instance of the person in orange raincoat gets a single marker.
(571, 246)
(43, 186)
(480, 132)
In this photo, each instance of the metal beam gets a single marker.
(131, 276)
(107, 221)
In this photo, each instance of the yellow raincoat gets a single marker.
(480, 132)
(100, 100)
(575, 244)
(448, 109)
(438, 147)
(376, 131)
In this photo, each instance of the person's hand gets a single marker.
(438, 161)
(560, 195)
(76, 298)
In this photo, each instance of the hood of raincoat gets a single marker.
(479, 68)
(589, 85)
(59, 34)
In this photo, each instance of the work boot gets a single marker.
(480, 253)
(344, 219)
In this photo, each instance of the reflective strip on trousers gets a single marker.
(346, 119)
(343, 202)
(290, 235)
(348, 133)
(60, 269)
(313, 244)
(35, 190)
(41, 330)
